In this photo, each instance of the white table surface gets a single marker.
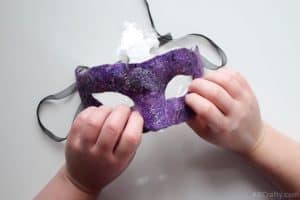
(41, 43)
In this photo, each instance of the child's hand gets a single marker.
(227, 113)
(100, 145)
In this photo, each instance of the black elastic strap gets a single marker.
(207, 64)
(57, 96)
(163, 39)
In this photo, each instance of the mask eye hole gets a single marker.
(178, 86)
(113, 99)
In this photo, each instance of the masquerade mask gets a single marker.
(144, 83)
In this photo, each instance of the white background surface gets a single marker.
(41, 43)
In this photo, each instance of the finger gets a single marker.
(131, 136)
(206, 110)
(226, 81)
(78, 123)
(93, 124)
(90, 122)
(213, 92)
(242, 81)
(112, 128)
(200, 127)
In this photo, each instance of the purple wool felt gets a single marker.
(145, 84)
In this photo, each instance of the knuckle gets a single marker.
(243, 116)
(73, 146)
(112, 128)
(233, 126)
(225, 79)
(108, 158)
(233, 72)
(87, 138)
(114, 162)
(208, 108)
(92, 122)
(216, 93)
(228, 78)
(132, 140)
(81, 117)
(117, 164)
(224, 127)
(104, 147)
(233, 75)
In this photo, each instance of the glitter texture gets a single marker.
(145, 84)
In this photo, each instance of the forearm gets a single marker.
(60, 187)
(279, 157)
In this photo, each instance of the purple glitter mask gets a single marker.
(145, 84)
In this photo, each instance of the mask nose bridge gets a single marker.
(151, 107)
(158, 111)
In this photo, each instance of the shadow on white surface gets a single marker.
(176, 163)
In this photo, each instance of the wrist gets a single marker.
(74, 187)
(259, 142)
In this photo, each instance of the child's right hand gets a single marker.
(227, 113)
(100, 145)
